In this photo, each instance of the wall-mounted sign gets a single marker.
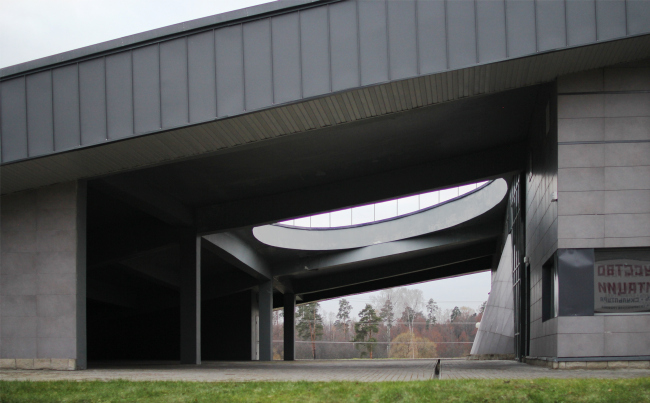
(622, 286)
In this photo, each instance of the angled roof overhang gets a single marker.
(283, 68)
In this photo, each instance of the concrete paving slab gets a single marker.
(325, 370)
(473, 369)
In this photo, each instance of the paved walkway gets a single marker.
(463, 369)
(334, 370)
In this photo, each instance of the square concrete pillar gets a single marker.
(255, 331)
(190, 275)
(289, 326)
(43, 277)
(266, 321)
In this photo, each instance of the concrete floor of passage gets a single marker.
(304, 370)
(472, 369)
(219, 371)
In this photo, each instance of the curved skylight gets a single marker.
(448, 214)
(381, 211)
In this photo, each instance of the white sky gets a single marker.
(31, 29)
(469, 290)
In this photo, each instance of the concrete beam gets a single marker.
(453, 270)
(403, 248)
(134, 245)
(393, 268)
(157, 266)
(147, 199)
(211, 291)
(238, 253)
(138, 302)
(485, 164)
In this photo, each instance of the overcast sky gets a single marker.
(31, 29)
(469, 290)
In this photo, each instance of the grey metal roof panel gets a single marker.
(256, 64)
(335, 109)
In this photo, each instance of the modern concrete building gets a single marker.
(141, 178)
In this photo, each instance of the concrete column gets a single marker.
(289, 326)
(190, 274)
(255, 353)
(43, 277)
(266, 321)
(81, 335)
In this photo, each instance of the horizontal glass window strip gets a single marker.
(384, 210)
(320, 220)
(429, 199)
(407, 205)
(466, 189)
(363, 214)
(448, 194)
(303, 222)
(341, 218)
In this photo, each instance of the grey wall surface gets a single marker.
(225, 70)
(604, 191)
(604, 169)
(42, 272)
(603, 336)
(497, 328)
(541, 218)
(599, 168)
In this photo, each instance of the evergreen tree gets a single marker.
(481, 308)
(432, 312)
(455, 313)
(368, 323)
(343, 317)
(309, 324)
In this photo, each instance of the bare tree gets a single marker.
(392, 294)
(387, 315)
(413, 301)
(412, 298)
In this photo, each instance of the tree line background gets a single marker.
(398, 323)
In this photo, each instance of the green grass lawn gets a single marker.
(540, 390)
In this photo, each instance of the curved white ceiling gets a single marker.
(434, 219)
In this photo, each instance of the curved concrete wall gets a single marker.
(435, 219)
(497, 328)
(162, 80)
